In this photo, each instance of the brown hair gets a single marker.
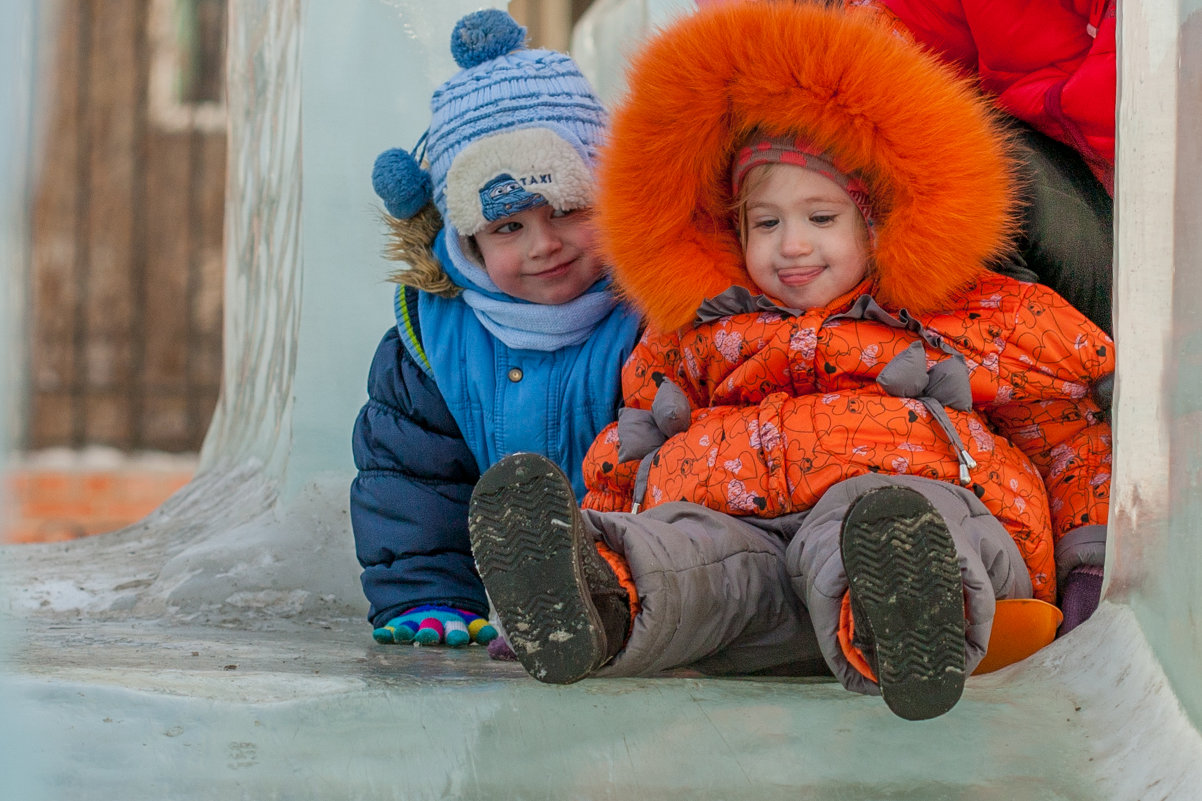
(412, 242)
(738, 204)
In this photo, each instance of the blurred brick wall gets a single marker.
(67, 497)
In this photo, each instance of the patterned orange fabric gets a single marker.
(787, 406)
(622, 570)
(846, 636)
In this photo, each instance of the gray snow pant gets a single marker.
(723, 594)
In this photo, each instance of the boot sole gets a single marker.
(907, 595)
(527, 540)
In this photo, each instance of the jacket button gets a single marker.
(515, 374)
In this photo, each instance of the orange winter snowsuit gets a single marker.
(788, 405)
(933, 367)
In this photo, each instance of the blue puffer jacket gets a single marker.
(409, 500)
(417, 470)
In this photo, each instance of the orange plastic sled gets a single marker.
(1021, 626)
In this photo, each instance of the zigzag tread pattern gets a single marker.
(901, 565)
(544, 614)
(522, 525)
(904, 566)
(518, 519)
(921, 656)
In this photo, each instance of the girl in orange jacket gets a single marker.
(844, 439)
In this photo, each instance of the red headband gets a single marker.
(800, 153)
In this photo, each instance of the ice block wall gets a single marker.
(1155, 550)
(316, 91)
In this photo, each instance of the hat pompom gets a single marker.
(403, 185)
(485, 35)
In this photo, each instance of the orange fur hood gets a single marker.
(934, 156)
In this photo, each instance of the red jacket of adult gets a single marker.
(1050, 63)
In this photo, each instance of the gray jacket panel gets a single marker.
(1084, 545)
(714, 593)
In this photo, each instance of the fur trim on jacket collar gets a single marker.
(933, 154)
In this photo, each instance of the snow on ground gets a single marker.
(218, 552)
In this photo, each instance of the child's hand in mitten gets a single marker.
(500, 650)
(1080, 554)
(432, 625)
(1079, 596)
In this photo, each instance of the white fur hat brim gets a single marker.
(536, 161)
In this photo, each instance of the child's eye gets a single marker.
(823, 219)
(766, 224)
(507, 228)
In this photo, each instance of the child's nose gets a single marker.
(543, 240)
(795, 242)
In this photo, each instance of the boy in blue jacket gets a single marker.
(508, 336)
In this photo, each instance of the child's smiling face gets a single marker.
(805, 241)
(541, 254)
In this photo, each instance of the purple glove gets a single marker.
(499, 650)
(1079, 596)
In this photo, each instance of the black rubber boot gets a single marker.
(564, 611)
(907, 600)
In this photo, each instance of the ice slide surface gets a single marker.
(218, 648)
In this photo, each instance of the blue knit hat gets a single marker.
(515, 128)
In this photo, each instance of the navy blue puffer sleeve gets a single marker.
(409, 499)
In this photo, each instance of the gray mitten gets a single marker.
(642, 431)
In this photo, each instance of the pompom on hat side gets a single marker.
(401, 183)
